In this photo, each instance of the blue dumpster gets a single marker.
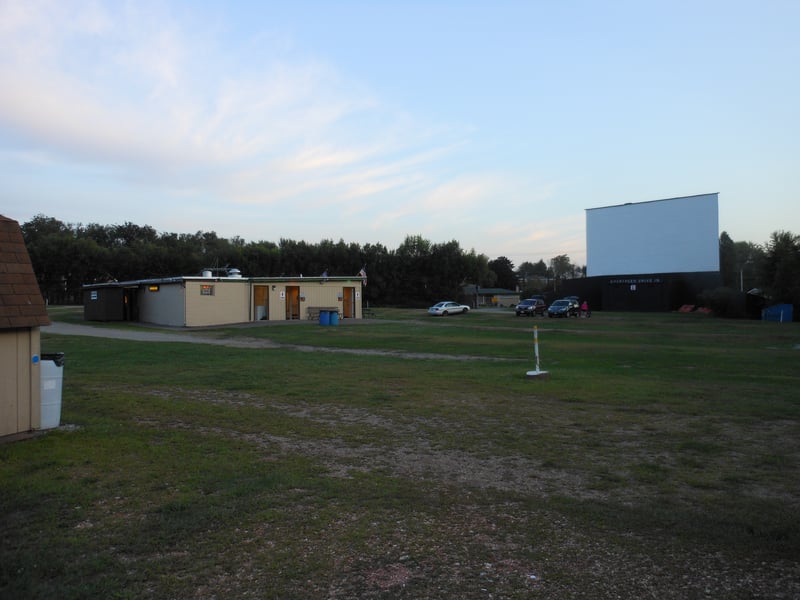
(782, 313)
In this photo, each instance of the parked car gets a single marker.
(563, 308)
(442, 309)
(576, 303)
(530, 307)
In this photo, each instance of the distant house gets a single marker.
(22, 312)
(480, 296)
(210, 299)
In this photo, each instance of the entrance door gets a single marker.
(130, 308)
(348, 303)
(292, 302)
(261, 302)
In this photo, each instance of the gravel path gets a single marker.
(59, 328)
(154, 336)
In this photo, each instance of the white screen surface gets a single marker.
(678, 235)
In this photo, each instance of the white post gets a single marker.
(537, 373)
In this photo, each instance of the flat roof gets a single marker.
(200, 278)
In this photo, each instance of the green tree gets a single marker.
(750, 265)
(382, 285)
(532, 277)
(414, 270)
(450, 269)
(740, 263)
(526, 271)
(504, 270)
(261, 258)
(782, 267)
(478, 271)
(560, 267)
(727, 261)
(48, 241)
(132, 235)
(540, 268)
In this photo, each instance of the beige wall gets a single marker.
(326, 294)
(230, 302)
(276, 310)
(20, 388)
(509, 300)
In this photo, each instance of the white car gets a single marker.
(442, 309)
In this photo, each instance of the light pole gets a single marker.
(741, 274)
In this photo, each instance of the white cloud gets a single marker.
(149, 104)
(173, 116)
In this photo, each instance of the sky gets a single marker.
(495, 124)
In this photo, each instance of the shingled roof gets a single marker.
(21, 303)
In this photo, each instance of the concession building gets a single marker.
(220, 299)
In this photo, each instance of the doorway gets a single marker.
(292, 302)
(261, 302)
(130, 308)
(348, 303)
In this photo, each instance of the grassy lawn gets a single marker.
(660, 458)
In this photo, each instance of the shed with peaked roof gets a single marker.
(22, 312)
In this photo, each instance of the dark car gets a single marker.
(530, 307)
(576, 303)
(563, 308)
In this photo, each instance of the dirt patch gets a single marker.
(497, 540)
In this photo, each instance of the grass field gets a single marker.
(410, 457)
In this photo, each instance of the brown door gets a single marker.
(130, 310)
(292, 302)
(349, 303)
(261, 302)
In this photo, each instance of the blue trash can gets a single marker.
(324, 317)
(334, 317)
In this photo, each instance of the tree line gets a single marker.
(770, 271)
(417, 273)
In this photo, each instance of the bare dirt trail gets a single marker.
(154, 336)
(59, 328)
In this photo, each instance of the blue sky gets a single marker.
(492, 123)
